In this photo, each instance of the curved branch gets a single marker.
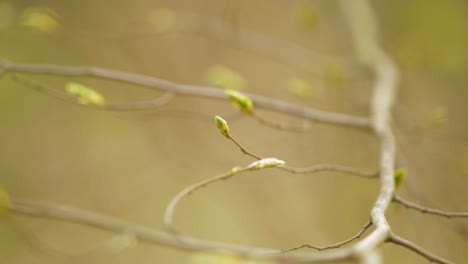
(417, 249)
(189, 90)
(427, 210)
(170, 209)
(364, 29)
(153, 236)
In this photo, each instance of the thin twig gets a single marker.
(244, 150)
(427, 210)
(188, 90)
(332, 246)
(417, 249)
(278, 126)
(312, 169)
(331, 167)
(170, 209)
(134, 106)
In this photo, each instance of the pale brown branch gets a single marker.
(244, 150)
(278, 126)
(312, 169)
(417, 249)
(170, 209)
(332, 246)
(332, 167)
(152, 236)
(427, 210)
(188, 90)
(364, 29)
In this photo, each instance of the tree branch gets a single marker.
(148, 235)
(134, 106)
(427, 210)
(332, 246)
(411, 246)
(188, 90)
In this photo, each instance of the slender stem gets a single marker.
(170, 209)
(427, 210)
(417, 249)
(332, 167)
(244, 150)
(188, 90)
(278, 126)
(332, 246)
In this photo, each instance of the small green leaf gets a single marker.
(84, 94)
(222, 126)
(240, 100)
(399, 176)
(266, 163)
(305, 16)
(224, 77)
(41, 18)
(300, 88)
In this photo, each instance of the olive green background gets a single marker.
(129, 165)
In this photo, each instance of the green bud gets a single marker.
(240, 100)
(266, 163)
(222, 126)
(399, 176)
(84, 94)
(235, 170)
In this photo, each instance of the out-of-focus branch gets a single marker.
(188, 90)
(152, 236)
(273, 48)
(121, 107)
(364, 30)
(427, 210)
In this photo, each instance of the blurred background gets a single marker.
(129, 165)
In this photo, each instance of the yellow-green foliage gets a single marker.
(224, 77)
(42, 19)
(305, 15)
(222, 126)
(240, 100)
(300, 88)
(399, 176)
(84, 94)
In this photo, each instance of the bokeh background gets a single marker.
(129, 165)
